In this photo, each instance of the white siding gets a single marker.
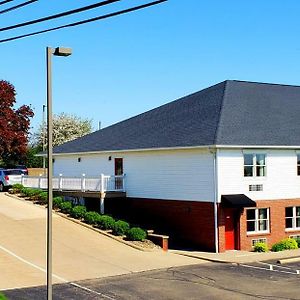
(281, 180)
(170, 174)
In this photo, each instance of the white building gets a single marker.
(219, 168)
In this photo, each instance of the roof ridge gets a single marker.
(264, 83)
(220, 112)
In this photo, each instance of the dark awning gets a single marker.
(237, 200)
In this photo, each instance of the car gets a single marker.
(21, 167)
(8, 177)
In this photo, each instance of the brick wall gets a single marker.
(277, 222)
(188, 222)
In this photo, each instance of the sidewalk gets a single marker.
(236, 256)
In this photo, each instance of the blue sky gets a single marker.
(129, 64)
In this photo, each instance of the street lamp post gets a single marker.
(59, 51)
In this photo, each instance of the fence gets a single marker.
(103, 183)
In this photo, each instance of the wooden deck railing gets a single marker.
(103, 183)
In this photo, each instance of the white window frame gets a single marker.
(256, 221)
(298, 165)
(254, 164)
(294, 218)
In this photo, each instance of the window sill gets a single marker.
(292, 229)
(257, 233)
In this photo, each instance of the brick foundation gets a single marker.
(189, 222)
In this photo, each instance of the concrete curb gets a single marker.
(202, 258)
(116, 238)
(288, 260)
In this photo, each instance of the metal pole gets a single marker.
(44, 136)
(49, 52)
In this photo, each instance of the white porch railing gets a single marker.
(104, 183)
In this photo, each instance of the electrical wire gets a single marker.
(63, 14)
(85, 21)
(5, 1)
(17, 6)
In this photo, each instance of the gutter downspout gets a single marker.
(215, 181)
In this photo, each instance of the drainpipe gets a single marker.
(215, 181)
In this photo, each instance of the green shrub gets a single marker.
(120, 228)
(66, 207)
(286, 244)
(2, 296)
(260, 247)
(136, 234)
(17, 187)
(106, 222)
(298, 242)
(42, 197)
(92, 217)
(78, 211)
(29, 192)
(57, 201)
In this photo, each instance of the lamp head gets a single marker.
(62, 51)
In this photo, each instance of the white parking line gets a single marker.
(53, 275)
(265, 269)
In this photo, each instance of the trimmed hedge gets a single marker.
(43, 197)
(2, 296)
(17, 187)
(78, 211)
(120, 228)
(298, 242)
(136, 234)
(106, 222)
(92, 217)
(66, 207)
(286, 244)
(57, 201)
(260, 247)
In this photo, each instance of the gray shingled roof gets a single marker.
(229, 113)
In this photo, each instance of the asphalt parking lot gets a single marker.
(205, 281)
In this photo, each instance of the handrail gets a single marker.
(104, 183)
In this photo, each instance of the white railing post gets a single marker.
(22, 179)
(83, 183)
(40, 180)
(124, 180)
(60, 185)
(102, 183)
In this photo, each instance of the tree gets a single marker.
(65, 128)
(14, 126)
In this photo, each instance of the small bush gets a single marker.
(66, 207)
(136, 234)
(260, 247)
(57, 201)
(17, 187)
(2, 296)
(78, 211)
(286, 244)
(120, 228)
(92, 217)
(298, 242)
(106, 222)
(42, 197)
(29, 192)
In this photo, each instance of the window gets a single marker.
(292, 217)
(298, 164)
(257, 220)
(254, 165)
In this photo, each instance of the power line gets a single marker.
(85, 21)
(70, 12)
(17, 6)
(5, 1)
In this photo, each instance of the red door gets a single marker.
(230, 233)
